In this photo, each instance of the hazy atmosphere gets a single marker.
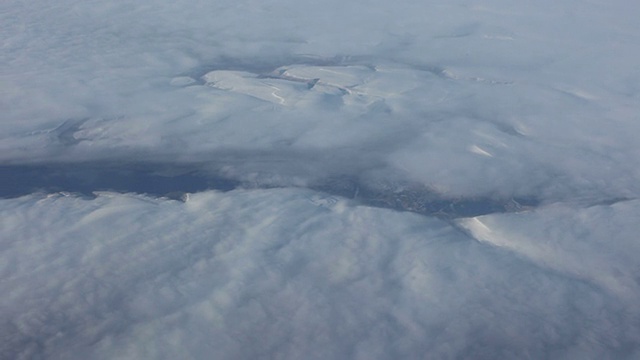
(285, 179)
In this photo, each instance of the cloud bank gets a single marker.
(286, 179)
(292, 273)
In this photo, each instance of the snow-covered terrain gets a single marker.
(330, 180)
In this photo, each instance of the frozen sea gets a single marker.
(287, 179)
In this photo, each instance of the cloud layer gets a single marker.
(316, 117)
(294, 273)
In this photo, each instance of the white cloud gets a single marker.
(458, 103)
(290, 273)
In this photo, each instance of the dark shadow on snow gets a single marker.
(86, 178)
(174, 181)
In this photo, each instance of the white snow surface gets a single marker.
(491, 99)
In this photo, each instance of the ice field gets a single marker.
(332, 180)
